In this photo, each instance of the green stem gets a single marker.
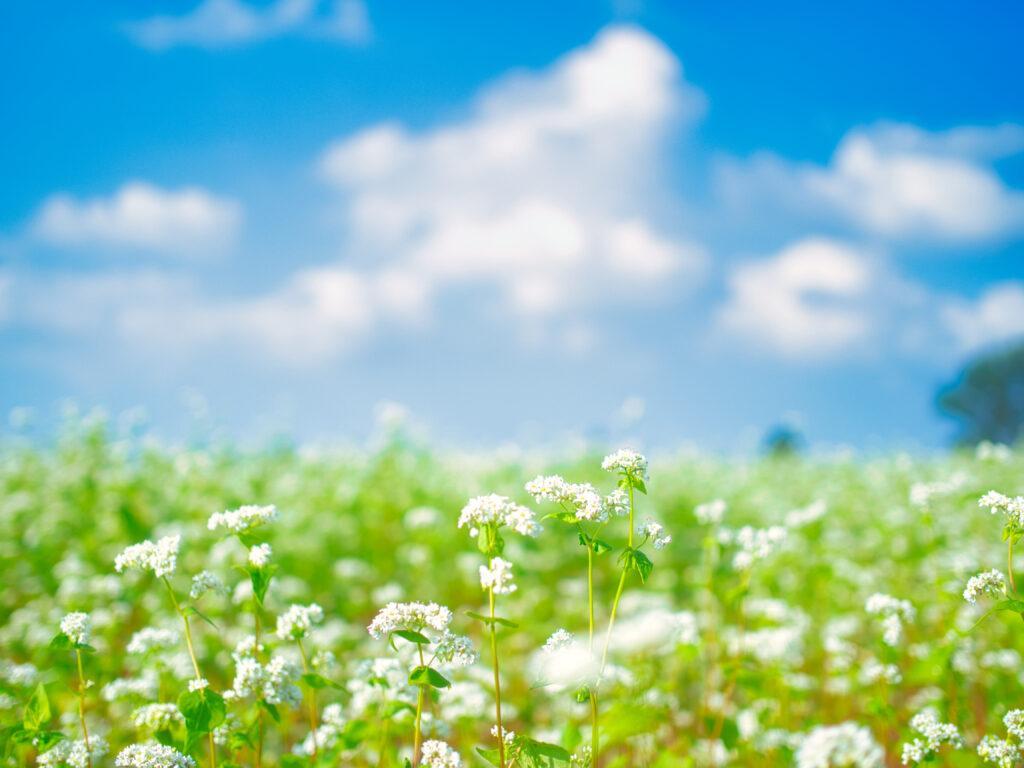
(312, 702)
(497, 682)
(81, 706)
(1009, 564)
(192, 656)
(417, 739)
(259, 710)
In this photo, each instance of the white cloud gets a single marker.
(543, 190)
(996, 316)
(221, 23)
(810, 300)
(139, 215)
(897, 182)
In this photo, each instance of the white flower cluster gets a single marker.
(654, 531)
(934, 732)
(152, 756)
(710, 512)
(498, 576)
(587, 504)
(295, 623)
(998, 503)
(986, 583)
(152, 639)
(332, 723)
(437, 754)
(157, 717)
(626, 461)
(497, 511)
(259, 555)
(161, 558)
(455, 650)
(813, 512)
(73, 753)
(76, 627)
(921, 494)
(273, 682)
(1004, 754)
(564, 662)
(894, 613)
(142, 687)
(559, 639)
(847, 745)
(242, 519)
(198, 684)
(1014, 722)
(206, 581)
(754, 543)
(414, 616)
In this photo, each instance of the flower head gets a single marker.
(437, 754)
(411, 616)
(259, 555)
(497, 576)
(243, 519)
(152, 756)
(204, 582)
(986, 583)
(161, 557)
(494, 511)
(628, 462)
(654, 531)
(295, 623)
(76, 627)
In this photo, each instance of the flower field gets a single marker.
(396, 605)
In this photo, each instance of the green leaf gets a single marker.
(545, 749)
(642, 564)
(294, 761)
(313, 680)
(392, 708)
(490, 755)
(639, 484)
(412, 637)
(489, 621)
(191, 610)
(428, 676)
(46, 739)
(1017, 606)
(600, 547)
(166, 738)
(203, 711)
(260, 578)
(582, 694)
(61, 642)
(271, 710)
(37, 711)
(85, 647)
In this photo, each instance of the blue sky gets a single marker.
(511, 219)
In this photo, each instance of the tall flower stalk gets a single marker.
(75, 629)
(294, 624)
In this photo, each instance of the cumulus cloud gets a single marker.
(142, 216)
(543, 190)
(813, 299)
(896, 182)
(994, 317)
(222, 23)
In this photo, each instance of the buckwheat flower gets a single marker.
(497, 511)
(813, 512)
(756, 544)
(259, 555)
(626, 461)
(846, 745)
(152, 756)
(74, 754)
(509, 737)
(274, 683)
(497, 576)
(76, 627)
(204, 582)
(617, 503)
(935, 734)
(157, 717)
(198, 684)
(654, 531)
(710, 512)
(243, 519)
(1011, 508)
(1014, 722)
(161, 557)
(986, 583)
(549, 488)
(893, 613)
(564, 662)
(142, 687)
(151, 639)
(411, 616)
(437, 754)
(1003, 753)
(295, 623)
(559, 639)
(455, 650)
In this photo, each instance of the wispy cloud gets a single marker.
(994, 317)
(141, 216)
(225, 23)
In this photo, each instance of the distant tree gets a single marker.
(782, 440)
(987, 397)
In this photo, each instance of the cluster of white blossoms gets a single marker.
(564, 662)
(586, 502)
(813, 512)
(654, 531)
(754, 543)
(986, 583)
(893, 612)
(710, 512)
(273, 682)
(455, 650)
(848, 745)
(76, 627)
(295, 623)
(412, 616)
(144, 686)
(157, 717)
(1014, 722)
(934, 734)
(1003, 753)
(998, 503)
(332, 723)
(74, 753)
(242, 519)
(498, 576)
(627, 461)
(152, 756)
(259, 555)
(437, 754)
(152, 639)
(198, 684)
(497, 511)
(161, 557)
(921, 494)
(206, 581)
